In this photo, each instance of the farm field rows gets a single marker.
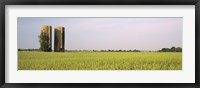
(35, 60)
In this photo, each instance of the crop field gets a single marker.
(35, 60)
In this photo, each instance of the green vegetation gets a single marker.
(35, 60)
(173, 49)
(44, 42)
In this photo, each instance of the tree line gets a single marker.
(172, 49)
(109, 50)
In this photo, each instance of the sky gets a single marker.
(104, 33)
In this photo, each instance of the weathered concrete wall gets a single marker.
(59, 39)
(48, 29)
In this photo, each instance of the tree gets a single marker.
(130, 50)
(178, 49)
(19, 50)
(44, 42)
(173, 49)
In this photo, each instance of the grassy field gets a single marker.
(33, 60)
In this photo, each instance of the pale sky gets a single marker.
(104, 33)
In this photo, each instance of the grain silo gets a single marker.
(47, 30)
(59, 39)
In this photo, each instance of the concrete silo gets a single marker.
(59, 39)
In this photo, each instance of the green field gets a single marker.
(35, 60)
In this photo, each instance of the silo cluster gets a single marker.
(59, 37)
